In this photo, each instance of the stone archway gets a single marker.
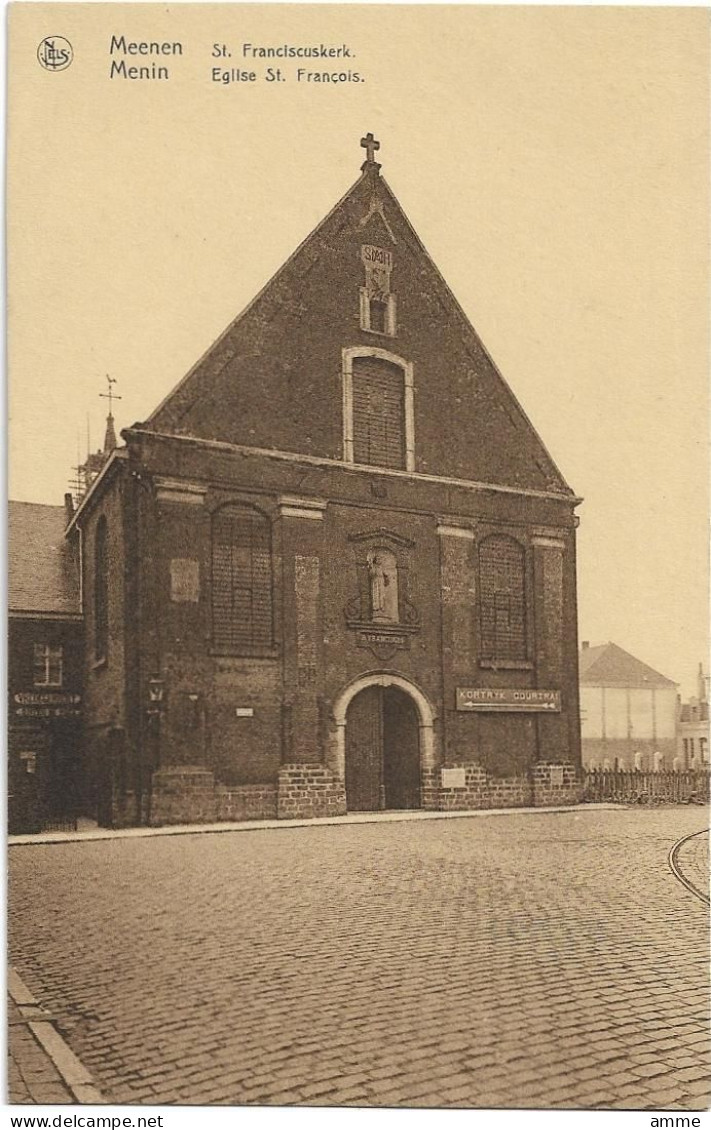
(425, 716)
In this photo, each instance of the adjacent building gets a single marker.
(335, 569)
(628, 711)
(45, 670)
(693, 735)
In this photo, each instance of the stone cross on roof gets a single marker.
(371, 147)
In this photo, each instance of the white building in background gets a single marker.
(628, 711)
(693, 732)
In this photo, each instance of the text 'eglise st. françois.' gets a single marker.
(249, 63)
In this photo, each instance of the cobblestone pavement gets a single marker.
(545, 960)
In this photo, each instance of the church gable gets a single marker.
(357, 350)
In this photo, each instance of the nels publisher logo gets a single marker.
(55, 53)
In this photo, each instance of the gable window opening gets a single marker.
(378, 313)
(242, 604)
(48, 670)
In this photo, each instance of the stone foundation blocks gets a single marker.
(308, 791)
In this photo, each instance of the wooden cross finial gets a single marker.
(110, 395)
(371, 147)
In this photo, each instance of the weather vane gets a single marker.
(110, 395)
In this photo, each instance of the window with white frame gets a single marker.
(48, 669)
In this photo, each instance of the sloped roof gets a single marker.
(244, 374)
(41, 574)
(610, 666)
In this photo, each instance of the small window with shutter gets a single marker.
(242, 601)
(378, 413)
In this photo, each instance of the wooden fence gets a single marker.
(690, 786)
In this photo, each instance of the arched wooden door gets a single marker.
(382, 751)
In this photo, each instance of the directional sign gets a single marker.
(508, 700)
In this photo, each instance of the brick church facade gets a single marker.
(335, 569)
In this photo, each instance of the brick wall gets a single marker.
(556, 784)
(104, 677)
(307, 791)
(480, 790)
(187, 794)
(245, 802)
(429, 786)
(183, 794)
(548, 786)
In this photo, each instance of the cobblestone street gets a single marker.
(546, 960)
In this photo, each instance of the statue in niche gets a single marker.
(382, 571)
(378, 283)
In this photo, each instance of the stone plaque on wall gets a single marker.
(454, 778)
(184, 580)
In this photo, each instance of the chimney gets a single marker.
(68, 507)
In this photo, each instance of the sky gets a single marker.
(552, 160)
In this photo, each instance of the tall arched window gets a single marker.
(242, 614)
(502, 589)
(101, 589)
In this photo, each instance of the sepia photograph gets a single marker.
(358, 664)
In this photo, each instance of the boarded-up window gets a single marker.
(378, 413)
(101, 590)
(241, 580)
(502, 587)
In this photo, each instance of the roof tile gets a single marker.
(42, 576)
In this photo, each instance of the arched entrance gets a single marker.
(384, 731)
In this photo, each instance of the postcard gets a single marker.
(358, 592)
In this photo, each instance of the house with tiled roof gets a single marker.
(45, 649)
(628, 711)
